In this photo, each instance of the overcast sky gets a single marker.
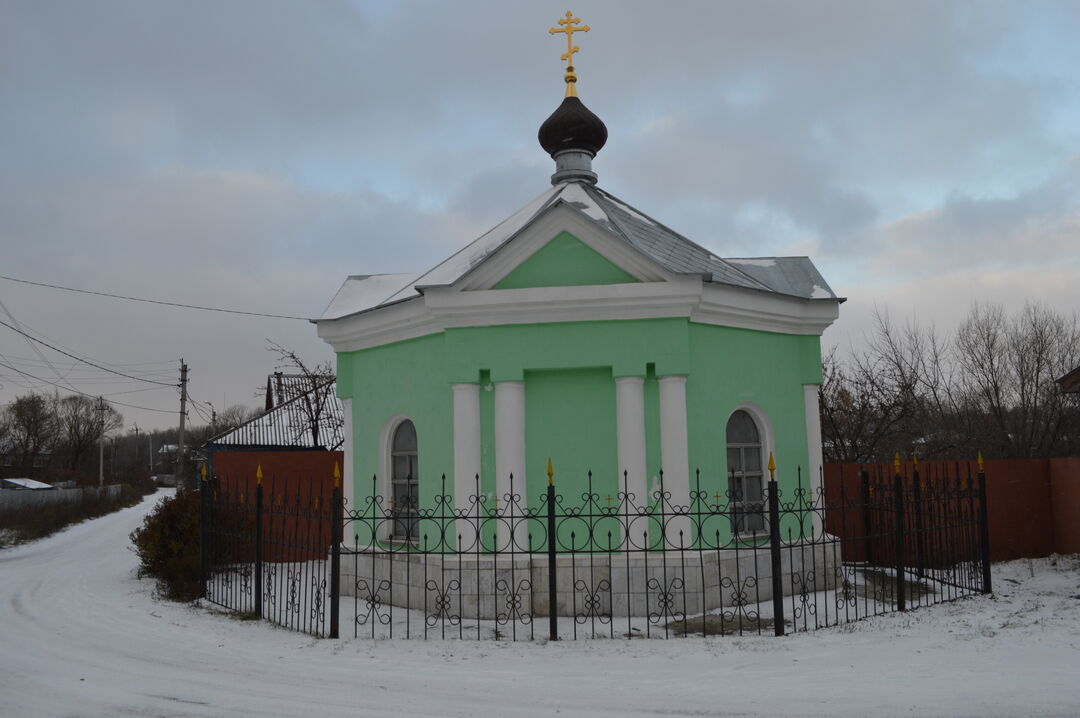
(250, 155)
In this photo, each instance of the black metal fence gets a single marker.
(596, 564)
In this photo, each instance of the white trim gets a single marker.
(553, 222)
(466, 451)
(510, 455)
(630, 435)
(813, 444)
(382, 479)
(680, 296)
(765, 431)
(348, 480)
(675, 454)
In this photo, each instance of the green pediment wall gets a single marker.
(565, 261)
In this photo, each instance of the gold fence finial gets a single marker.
(337, 476)
(203, 472)
(772, 467)
(258, 474)
(550, 473)
(896, 462)
(979, 459)
(569, 28)
(915, 460)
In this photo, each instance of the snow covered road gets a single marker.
(81, 636)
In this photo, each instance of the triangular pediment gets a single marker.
(565, 261)
(562, 247)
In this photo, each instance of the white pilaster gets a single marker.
(813, 443)
(674, 453)
(348, 481)
(630, 435)
(510, 456)
(466, 455)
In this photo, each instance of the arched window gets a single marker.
(745, 472)
(403, 481)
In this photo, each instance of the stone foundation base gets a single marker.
(616, 584)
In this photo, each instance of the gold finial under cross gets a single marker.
(569, 27)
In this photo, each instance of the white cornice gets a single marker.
(682, 296)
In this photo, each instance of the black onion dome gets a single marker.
(572, 127)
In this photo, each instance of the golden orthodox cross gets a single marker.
(569, 27)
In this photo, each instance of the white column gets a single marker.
(348, 480)
(466, 456)
(630, 435)
(510, 456)
(813, 444)
(674, 453)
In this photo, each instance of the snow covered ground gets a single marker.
(81, 636)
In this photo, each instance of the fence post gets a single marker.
(920, 540)
(984, 529)
(336, 526)
(553, 611)
(898, 503)
(868, 543)
(204, 530)
(258, 543)
(774, 551)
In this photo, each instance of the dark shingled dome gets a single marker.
(572, 127)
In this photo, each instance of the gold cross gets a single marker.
(609, 500)
(569, 28)
(717, 496)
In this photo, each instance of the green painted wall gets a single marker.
(569, 370)
(570, 417)
(565, 261)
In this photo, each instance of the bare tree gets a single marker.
(81, 424)
(312, 388)
(1010, 367)
(32, 428)
(989, 388)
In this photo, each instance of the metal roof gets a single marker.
(790, 276)
(303, 411)
(28, 484)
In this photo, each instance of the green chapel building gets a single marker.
(583, 331)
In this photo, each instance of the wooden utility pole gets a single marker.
(101, 441)
(181, 476)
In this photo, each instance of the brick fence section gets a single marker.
(1033, 504)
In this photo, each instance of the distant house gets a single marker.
(1070, 383)
(299, 436)
(25, 485)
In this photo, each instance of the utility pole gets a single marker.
(101, 441)
(181, 477)
(135, 463)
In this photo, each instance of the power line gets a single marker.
(153, 301)
(83, 393)
(77, 358)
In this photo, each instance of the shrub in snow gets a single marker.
(168, 546)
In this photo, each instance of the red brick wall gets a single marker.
(1033, 505)
(1065, 498)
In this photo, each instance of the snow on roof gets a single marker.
(792, 276)
(28, 484)
(366, 291)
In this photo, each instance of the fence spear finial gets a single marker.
(896, 462)
(550, 473)
(337, 476)
(258, 474)
(915, 460)
(772, 467)
(203, 472)
(979, 459)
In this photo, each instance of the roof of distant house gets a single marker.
(28, 484)
(289, 423)
(1070, 383)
